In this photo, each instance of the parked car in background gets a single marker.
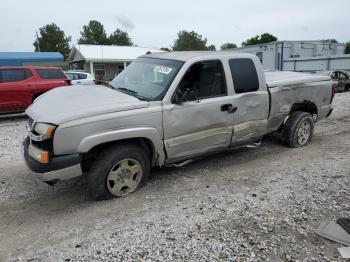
(80, 78)
(21, 85)
(339, 77)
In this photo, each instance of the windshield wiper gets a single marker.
(109, 85)
(127, 90)
(133, 93)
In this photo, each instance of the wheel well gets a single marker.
(306, 106)
(86, 159)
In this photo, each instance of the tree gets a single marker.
(228, 46)
(119, 37)
(187, 41)
(262, 39)
(332, 40)
(93, 33)
(212, 48)
(165, 49)
(52, 39)
(347, 48)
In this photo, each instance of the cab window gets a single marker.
(202, 80)
(244, 75)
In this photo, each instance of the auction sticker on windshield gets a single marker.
(162, 69)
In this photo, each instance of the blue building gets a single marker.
(30, 58)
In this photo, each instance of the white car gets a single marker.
(80, 78)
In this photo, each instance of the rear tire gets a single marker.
(298, 130)
(117, 171)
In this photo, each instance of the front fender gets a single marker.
(149, 133)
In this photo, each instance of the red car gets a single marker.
(20, 85)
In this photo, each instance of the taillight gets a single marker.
(334, 90)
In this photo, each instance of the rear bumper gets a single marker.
(59, 167)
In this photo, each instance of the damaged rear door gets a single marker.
(251, 100)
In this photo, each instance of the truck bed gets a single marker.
(283, 78)
(289, 88)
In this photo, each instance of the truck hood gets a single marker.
(69, 103)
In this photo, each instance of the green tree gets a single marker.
(347, 48)
(332, 40)
(212, 48)
(228, 46)
(94, 34)
(187, 41)
(262, 39)
(119, 37)
(165, 49)
(52, 39)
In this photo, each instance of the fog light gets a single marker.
(38, 155)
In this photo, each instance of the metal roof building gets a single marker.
(29, 58)
(273, 55)
(105, 61)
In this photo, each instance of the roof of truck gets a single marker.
(187, 55)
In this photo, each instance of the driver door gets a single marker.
(202, 122)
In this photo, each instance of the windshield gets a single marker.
(147, 78)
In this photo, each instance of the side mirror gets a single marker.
(179, 96)
(185, 95)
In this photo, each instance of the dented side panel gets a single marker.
(250, 119)
(284, 97)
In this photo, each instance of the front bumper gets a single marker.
(59, 168)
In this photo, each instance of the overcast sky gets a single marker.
(155, 23)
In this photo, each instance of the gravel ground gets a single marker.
(260, 204)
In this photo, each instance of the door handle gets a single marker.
(229, 108)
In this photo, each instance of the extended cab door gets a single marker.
(251, 99)
(202, 122)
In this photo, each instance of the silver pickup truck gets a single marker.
(167, 109)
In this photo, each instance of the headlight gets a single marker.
(45, 129)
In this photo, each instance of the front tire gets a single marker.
(117, 171)
(298, 130)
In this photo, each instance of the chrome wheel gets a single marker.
(124, 177)
(304, 133)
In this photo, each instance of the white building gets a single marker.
(103, 61)
(273, 55)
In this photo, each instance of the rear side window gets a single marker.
(14, 75)
(50, 73)
(72, 76)
(244, 75)
(82, 76)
